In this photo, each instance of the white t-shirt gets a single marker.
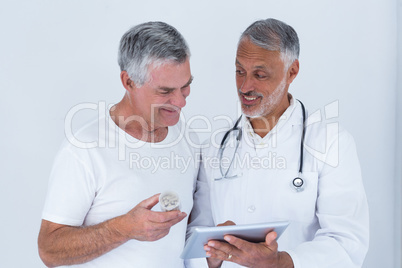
(101, 172)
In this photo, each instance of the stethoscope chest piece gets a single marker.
(298, 184)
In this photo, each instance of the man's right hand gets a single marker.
(213, 262)
(66, 245)
(143, 224)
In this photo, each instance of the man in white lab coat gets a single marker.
(264, 175)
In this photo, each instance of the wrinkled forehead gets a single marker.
(170, 74)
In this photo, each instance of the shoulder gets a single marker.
(88, 135)
(320, 130)
(78, 142)
(328, 141)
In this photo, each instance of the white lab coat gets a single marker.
(328, 218)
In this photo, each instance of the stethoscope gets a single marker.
(297, 183)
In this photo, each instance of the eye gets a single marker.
(164, 92)
(240, 72)
(185, 89)
(260, 75)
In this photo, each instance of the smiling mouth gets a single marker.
(249, 100)
(171, 110)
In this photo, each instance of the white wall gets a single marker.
(56, 54)
(398, 166)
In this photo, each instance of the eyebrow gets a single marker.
(263, 67)
(188, 82)
(237, 62)
(170, 89)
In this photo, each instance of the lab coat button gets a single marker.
(251, 209)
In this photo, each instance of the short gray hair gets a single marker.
(150, 43)
(274, 35)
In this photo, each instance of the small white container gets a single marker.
(169, 201)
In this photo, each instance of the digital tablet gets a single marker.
(194, 247)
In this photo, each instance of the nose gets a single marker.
(244, 84)
(179, 98)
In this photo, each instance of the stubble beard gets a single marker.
(268, 102)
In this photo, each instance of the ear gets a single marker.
(293, 71)
(128, 84)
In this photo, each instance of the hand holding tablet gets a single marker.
(194, 247)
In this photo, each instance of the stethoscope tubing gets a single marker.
(297, 182)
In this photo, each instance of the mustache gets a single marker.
(166, 106)
(250, 93)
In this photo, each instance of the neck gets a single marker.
(135, 125)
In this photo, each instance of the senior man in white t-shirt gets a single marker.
(101, 208)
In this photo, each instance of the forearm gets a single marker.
(73, 245)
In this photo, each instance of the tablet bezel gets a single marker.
(194, 247)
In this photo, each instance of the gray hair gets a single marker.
(274, 35)
(150, 43)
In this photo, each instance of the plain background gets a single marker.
(57, 54)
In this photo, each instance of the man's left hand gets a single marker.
(264, 254)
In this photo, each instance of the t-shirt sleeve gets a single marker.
(71, 188)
